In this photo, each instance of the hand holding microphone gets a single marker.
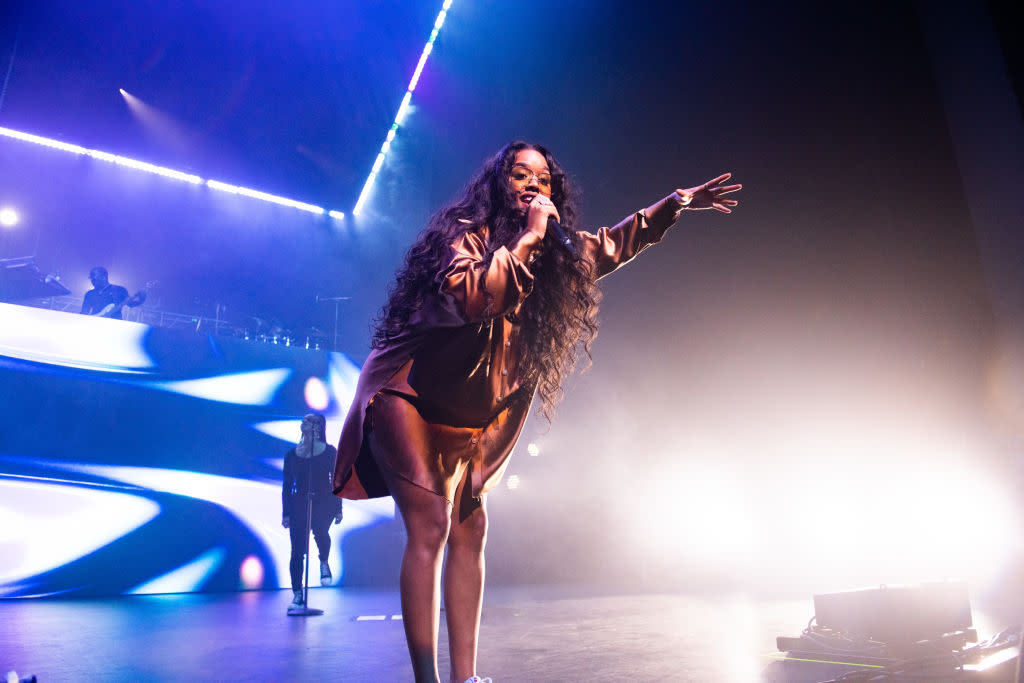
(556, 230)
(544, 215)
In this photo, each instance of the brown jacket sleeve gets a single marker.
(477, 290)
(612, 247)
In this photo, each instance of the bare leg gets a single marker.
(464, 588)
(426, 516)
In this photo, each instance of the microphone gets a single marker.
(555, 230)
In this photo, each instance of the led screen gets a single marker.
(139, 459)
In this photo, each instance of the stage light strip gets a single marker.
(403, 108)
(256, 194)
(167, 172)
(102, 156)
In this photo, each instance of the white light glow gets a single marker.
(256, 504)
(186, 578)
(8, 217)
(68, 340)
(288, 430)
(705, 513)
(342, 377)
(533, 449)
(914, 510)
(315, 393)
(250, 573)
(512, 482)
(241, 388)
(44, 526)
(285, 430)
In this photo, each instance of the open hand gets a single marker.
(710, 195)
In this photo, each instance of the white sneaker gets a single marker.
(298, 604)
(325, 574)
(477, 679)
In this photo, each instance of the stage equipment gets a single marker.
(337, 300)
(911, 632)
(897, 614)
(20, 279)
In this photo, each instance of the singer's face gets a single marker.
(529, 177)
(309, 427)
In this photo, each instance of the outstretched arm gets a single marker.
(612, 247)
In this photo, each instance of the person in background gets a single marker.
(308, 471)
(104, 299)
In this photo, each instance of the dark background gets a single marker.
(852, 324)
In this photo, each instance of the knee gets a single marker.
(471, 533)
(427, 531)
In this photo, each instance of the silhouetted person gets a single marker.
(308, 469)
(104, 299)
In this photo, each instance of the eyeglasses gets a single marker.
(521, 174)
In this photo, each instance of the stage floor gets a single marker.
(551, 633)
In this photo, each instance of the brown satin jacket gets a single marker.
(437, 397)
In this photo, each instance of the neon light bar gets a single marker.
(256, 194)
(166, 172)
(403, 109)
(102, 156)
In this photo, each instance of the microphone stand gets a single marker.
(337, 300)
(306, 610)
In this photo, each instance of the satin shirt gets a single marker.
(442, 398)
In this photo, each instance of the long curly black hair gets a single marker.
(558, 319)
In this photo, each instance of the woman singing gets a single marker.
(490, 308)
